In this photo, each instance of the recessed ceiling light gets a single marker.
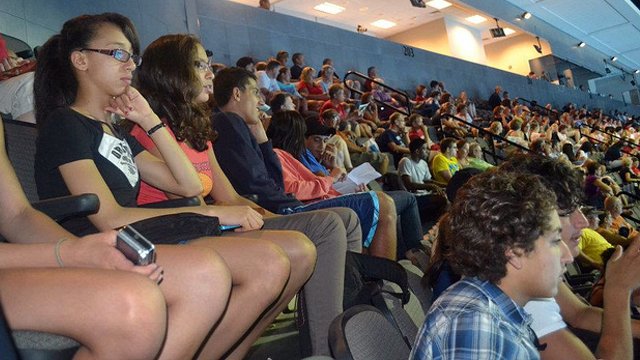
(384, 24)
(582, 44)
(614, 58)
(637, 72)
(526, 15)
(476, 19)
(438, 4)
(508, 31)
(329, 8)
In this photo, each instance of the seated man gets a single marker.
(394, 140)
(482, 315)
(551, 315)
(416, 177)
(592, 244)
(267, 82)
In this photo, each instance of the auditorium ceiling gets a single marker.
(608, 27)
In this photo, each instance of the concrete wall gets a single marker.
(34, 21)
(513, 53)
(431, 36)
(232, 30)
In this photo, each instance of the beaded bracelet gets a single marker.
(56, 251)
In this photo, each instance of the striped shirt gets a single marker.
(474, 319)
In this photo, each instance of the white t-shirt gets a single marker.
(418, 171)
(264, 81)
(546, 316)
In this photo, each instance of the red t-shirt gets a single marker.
(200, 160)
(313, 89)
(340, 108)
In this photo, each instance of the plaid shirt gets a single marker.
(474, 319)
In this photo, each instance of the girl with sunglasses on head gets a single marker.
(83, 81)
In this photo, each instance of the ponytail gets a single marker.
(55, 85)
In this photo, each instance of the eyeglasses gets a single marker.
(118, 54)
(203, 66)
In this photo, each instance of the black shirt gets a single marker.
(69, 136)
(252, 168)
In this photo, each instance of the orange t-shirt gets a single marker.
(200, 160)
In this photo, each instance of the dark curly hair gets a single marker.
(171, 84)
(494, 212)
(563, 179)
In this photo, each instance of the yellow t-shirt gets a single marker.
(441, 163)
(593, 244)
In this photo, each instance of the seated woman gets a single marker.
(445, 164)
(287, 133)
(158, 80)
(83, 81)
(285, 85)
(613, 206)
(370, 113)
(476, 158)
(418, 130)
(310, 90)
(462, 155)
(83, 288)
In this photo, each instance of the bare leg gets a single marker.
(113, 314)
(196, 286)
(259, 272)
(384, 243)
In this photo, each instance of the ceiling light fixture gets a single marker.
(526, 15)
(637, 72)
(438, 4)
(614, 58)
(582, 44)
(383, 24)
(329, 8)
(476, 19)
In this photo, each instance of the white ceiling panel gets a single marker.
(586, 15)
(620, 38)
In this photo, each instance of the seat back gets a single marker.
(363, 333)
(20, 142)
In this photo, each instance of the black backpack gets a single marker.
(363, 279)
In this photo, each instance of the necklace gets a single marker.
(114, 119)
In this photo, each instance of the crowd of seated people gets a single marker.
(295, 228)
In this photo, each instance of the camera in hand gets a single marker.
(135, 247)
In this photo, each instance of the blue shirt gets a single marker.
(310, 162)
(474, 319)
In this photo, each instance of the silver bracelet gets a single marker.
(56, 251)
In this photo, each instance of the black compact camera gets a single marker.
(135, 247)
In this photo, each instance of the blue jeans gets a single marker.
(409, 226)
(365, 204)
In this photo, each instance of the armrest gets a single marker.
(173, 203)
(63, 208)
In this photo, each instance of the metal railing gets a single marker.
(361, 76)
